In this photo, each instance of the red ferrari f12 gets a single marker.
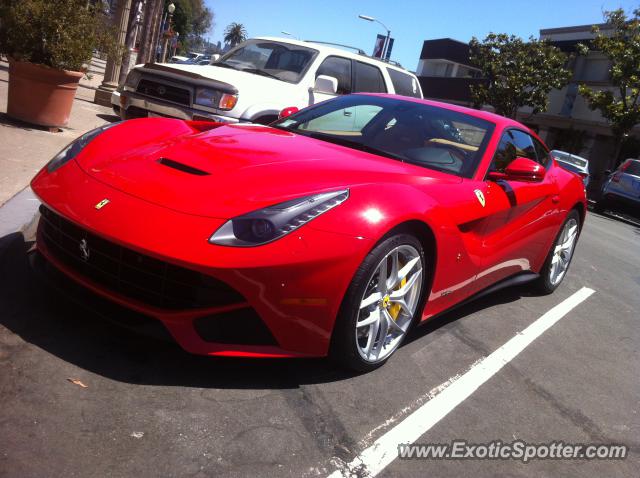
(330, 232)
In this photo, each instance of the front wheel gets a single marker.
(381, 303)
(560, 255)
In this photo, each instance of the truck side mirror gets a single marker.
(326, 84)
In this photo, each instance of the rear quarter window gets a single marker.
(404, 84)
(633, 168)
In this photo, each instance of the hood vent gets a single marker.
(182, 167)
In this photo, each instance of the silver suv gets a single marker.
(623, 186)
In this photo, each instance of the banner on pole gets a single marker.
(378, 48)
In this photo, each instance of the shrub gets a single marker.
(61, 34)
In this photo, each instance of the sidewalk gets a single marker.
(24, 149)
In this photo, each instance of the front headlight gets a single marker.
(74, 148)
(215, 99)
(273, 222)
(132, 79)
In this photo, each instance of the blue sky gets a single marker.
(410, 21)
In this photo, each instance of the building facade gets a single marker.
(446, 74)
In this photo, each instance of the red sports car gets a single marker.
(330, 232)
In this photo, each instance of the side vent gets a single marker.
(182, 167)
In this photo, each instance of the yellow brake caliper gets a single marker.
(394, 310)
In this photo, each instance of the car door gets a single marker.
(367, 79)
(336, 67)
(627, 179)
(521, 216)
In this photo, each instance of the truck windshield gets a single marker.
(281, 61)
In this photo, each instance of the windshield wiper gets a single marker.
(352, 144)
(258, 71)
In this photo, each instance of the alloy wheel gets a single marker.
(563, 251)
(389, 303)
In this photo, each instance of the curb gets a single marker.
(18, 212)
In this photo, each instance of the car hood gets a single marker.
(232, 169)
(202, 73)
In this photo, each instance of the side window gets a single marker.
(404, 84)
(514, 144)
(505, 153)
(369, 79)
(541, 152)
(345, 122)
(339, 68)
(524, 145)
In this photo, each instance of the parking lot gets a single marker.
(146, 408)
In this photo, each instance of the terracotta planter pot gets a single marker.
(41, 95)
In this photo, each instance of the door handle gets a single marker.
(555, 199)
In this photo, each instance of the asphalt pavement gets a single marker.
(140, 407)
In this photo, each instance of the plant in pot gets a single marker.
(49, 44)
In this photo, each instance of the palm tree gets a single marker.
(235, 33)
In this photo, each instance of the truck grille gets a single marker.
(129, 273)
(163, 91)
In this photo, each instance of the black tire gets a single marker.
(266, 120)
(544, 284)
(343, 350)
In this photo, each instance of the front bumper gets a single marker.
(294, 285)
(134, 105)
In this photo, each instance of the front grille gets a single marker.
(240, 327)
(127, 272)
(163, 91)
(115, 313)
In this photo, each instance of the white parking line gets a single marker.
(385, 449)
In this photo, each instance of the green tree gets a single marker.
(235, 33)
(516, 73)
(61, 35)
(621, 44)
(192, 20)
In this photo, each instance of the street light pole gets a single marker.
(170, 9)
(388, 37)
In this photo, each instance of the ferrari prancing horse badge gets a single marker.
(480, 196)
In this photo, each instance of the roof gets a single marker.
(333, 50)
(574, 29)
(447, 49)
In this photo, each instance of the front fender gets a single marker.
(372, 210)
(256, 110)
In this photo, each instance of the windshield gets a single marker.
(408, 131)
(570, 167)
(280, 61)
(633, 168)
(570, 158)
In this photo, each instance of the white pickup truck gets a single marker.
(256, 80)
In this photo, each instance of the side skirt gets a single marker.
(518, 279)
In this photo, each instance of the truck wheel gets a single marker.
(267, 119)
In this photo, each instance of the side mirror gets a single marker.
(288, 111)
(520, 169)
(326, 84)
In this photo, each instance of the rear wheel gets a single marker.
(266, 120)
(381, 303)
(560, 255)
